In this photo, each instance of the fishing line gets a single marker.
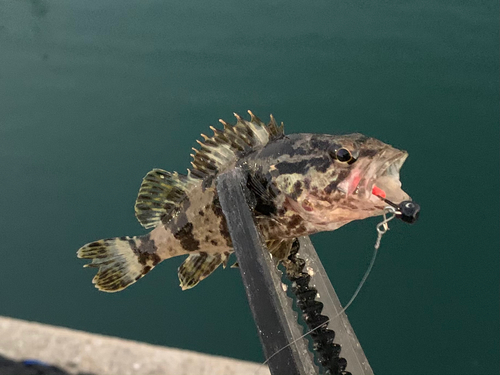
(382, 228)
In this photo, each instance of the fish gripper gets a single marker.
(328, 352)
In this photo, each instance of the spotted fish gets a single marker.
(299, 184)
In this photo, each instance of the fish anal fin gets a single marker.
(160, 194)
(197, 267)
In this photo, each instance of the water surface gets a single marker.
(94, 94)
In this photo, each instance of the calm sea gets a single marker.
(95, 93)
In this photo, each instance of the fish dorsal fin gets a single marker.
(196, 267)
(160, 194)
(219, 152)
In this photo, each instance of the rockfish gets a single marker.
(299, 184)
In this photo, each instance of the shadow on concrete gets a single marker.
(29, 367)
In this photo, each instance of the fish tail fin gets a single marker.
(121, 261)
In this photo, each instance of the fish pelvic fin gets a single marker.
(120, 261)
(280, 249)
(197, 267)
(159, 197)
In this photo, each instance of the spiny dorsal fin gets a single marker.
(227, 145)
(160, 194)
(196, 267)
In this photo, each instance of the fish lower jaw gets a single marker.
(373, 190)
(385, 183)
(390, 188)
(325, 226)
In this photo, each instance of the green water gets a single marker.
(94, 94)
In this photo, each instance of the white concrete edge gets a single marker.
(82, 352)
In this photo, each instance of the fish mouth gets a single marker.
(378, 179)
(385, 183)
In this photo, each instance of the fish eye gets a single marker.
(343, 155)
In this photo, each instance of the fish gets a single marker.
(298, 184)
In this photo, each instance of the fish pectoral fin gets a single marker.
(196, 267)
(160, 194)
(262, 193)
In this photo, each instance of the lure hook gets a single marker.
(407, 211)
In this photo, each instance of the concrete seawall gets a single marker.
(80, 352)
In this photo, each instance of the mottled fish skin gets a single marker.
(197, 227)
(314, 192)
(300, 184)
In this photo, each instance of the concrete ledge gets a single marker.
(81, 352)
